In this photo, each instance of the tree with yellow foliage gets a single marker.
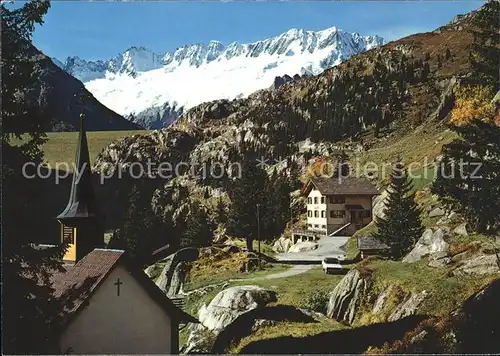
(472, 102)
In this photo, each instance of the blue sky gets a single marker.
(100, 30)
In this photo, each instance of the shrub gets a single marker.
(317, 302)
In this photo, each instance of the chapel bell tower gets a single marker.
(81, 222)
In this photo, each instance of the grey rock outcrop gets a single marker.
(480, 265)
(282, 245)
(172, 276)
(200, 340)
(223, 310)
(232, 302)
(409, 306)
(157, 146)
(461, 230)
(381, 299)
(346, 297)
(430, 244)
(251, 321)
(379, 205)
(440, 260)
(436, 212)
(303, 247)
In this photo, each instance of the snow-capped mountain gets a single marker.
(153, 88)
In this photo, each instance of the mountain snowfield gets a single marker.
(155, 88)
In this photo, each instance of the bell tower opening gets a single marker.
(81, 222)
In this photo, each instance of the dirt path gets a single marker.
(295, 270)
(327, 247)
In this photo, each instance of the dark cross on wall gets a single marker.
(118, 283)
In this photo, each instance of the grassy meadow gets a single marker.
(61, 146)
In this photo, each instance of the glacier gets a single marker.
(154, 88)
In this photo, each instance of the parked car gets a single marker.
(331, 265)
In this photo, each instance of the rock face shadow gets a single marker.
(347, 341)
(245, 324)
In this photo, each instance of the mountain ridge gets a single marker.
(155, 88)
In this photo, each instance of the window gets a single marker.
(365, 214)
(68, 234)
(323, 214)
(322, 200)
(316, 226)
(309, 213)
(337, 199)
(316, 214)
(309, 225)
(315, 200)
(309, 200)
(323, 226)
(337, 213)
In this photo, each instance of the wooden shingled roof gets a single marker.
(78, 282)
(371, 243)
(341, 186)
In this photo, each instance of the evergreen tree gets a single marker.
(140, 229)
(274, 210)
(245, 193)
(447, 54)
(401, 227)
(29, 311)
(468, 178)
(426, 69)
(343, 168)
(221, 211)
(206, 193)
(486, 46)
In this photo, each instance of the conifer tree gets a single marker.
(199, 228)
(486, 46)
(448, 54)
(140, 229)
(29, 312)
(221, 211)
(401, 227)
(245, 193)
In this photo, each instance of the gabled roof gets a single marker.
(82, 202)
(80, 281)
(371, 243)
(341, 186)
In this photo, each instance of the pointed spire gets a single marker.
(81, 202)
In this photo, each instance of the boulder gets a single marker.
(249, 322)
(231, 303)
(282, 245)
(381, 299)
(409, 306)
(452, 215)
(431, 243)
(303, 247)
(461, 230)
(200, 340)
(177, 279)
(440, 260)
(346, 297)
(165, 275)
(480, 265)
(436, 212)
(378, 209)
(173, 274)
